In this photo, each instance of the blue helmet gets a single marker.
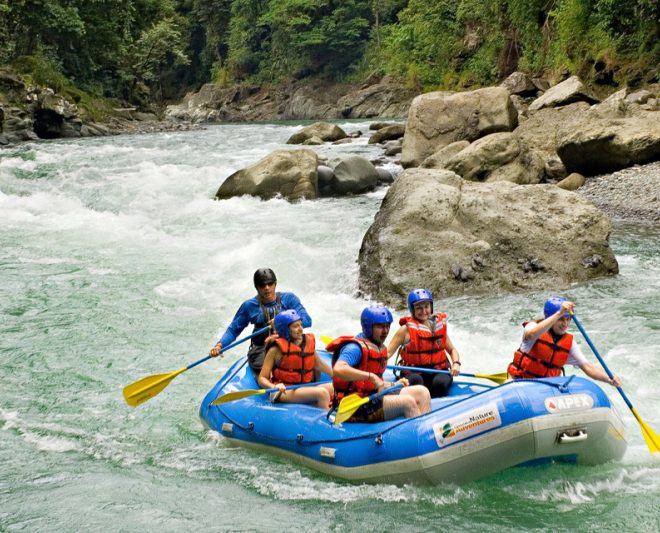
(552, 305)
(419, 295)
(283, 320)
(376, 314)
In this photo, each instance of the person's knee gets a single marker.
(440, 386)
(414, 379)
(323, 397)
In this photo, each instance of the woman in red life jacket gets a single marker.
(291, 359)
(423, 342)
(359, 363)
(547, 347)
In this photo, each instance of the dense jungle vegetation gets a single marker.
(140, 50)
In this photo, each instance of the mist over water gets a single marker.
(116, 263)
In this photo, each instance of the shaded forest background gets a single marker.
(145, 51)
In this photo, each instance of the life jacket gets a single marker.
(267, 314)
(427, 345)
(296, 365)
(374, 360)
(546, 358)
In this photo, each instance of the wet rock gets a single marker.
(324, 131)
(290, 173)
(455, 237)
(354, 175)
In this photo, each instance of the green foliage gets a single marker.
(220, 75)
(38, 70)
(126, 47)
(315, 35)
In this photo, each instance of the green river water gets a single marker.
(115, 263)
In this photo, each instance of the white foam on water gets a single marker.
(33, 433)
(630, 481)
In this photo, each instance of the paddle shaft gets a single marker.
(347, 407)
(394, 387)
(600, 360)
(240, 394)
(150, 386)
(427, 370)
(235, 343)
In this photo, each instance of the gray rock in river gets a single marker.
(437, 119)
(323, 130)
(290, 173)
(455, 237)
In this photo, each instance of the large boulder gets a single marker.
(456, 237)
(603, 145)
(498, 157)
(520, 84)
(323, 130)
(385, 99)
(566, 92)
(437, 119)
(388, 133)
(17, 125)
(354, 175)
(289, 173)
(440, 158)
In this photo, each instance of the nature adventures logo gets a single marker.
(467, 424)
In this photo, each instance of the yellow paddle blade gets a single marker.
(348, 406)
(497, 378)
(651, 437)
(146, 388)
(231, 396)
(326, 340)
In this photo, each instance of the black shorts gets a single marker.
(369, 412)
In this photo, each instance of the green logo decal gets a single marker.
(446, 430)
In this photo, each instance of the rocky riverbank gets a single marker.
(631, 194)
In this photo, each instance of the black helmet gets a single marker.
(263, 276)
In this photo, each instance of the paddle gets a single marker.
(497, 378)
(352, 403)
(652, 438)
(146, 388)
(240, 394)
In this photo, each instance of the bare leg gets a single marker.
(411, 402)
(421, 395)
(394, 406)
(318, 396)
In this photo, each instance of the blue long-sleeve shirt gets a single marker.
(250, 313)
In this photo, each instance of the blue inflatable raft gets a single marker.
(475, 431)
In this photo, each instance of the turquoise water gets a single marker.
(115, 264)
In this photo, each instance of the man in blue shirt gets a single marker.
(359, 363)
(260, 311)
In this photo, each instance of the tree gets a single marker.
(158, 47)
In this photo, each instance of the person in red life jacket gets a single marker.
(291, 359)
(260, 311)
(358, 365)
(547, 347)
(423, 342)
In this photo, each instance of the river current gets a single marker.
(116, 263)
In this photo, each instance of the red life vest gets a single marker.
(546, 358)
(296, 365)
(374, 360)
(427, 345)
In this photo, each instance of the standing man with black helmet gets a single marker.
(260, 311)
